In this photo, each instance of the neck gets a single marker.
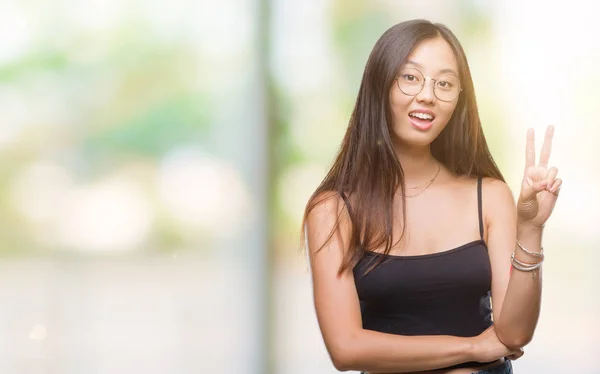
(418, 164)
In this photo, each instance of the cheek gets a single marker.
(399, 104)
(447, 111)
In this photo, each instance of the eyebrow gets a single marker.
(447, 70)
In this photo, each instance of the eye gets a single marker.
(444, 84)
(408, 77)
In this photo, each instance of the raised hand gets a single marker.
(540, 187)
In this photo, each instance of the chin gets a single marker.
(415, 139)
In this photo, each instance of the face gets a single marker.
(433, 58)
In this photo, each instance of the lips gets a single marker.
(422, 114)
(421, 121)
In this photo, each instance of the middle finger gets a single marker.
(547, 147)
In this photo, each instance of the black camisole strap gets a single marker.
(479, 207)
(348, 207)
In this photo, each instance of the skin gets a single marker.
(515, 295)
(430, 57)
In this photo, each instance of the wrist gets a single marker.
(471, 348)
(528, 228)
(529, 237)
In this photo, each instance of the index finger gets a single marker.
(530, 149)
(545, 155)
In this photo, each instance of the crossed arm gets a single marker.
(338, 311)
(515, 295)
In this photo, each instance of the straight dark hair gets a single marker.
(367, 171)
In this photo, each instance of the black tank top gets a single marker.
(445, 293)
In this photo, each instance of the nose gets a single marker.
(427, 95)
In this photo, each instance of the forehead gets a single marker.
(433, 56)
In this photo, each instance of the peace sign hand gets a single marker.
(540, 187)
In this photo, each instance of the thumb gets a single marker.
(530, 189)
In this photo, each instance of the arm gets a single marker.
(338, 312)
(516, 295)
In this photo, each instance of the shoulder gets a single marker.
(498, 200)
(495, 190)
(493, 186)
(327, 216)
(326, 204)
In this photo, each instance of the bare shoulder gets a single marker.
(498, 202)
(328, 217)
(328, 208)
(495, 191)
(328, 202)
(490, 185)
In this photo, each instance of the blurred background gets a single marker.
(156, 157)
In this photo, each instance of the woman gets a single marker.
(413, 233)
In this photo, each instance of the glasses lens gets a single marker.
(410, 81)
(447, 87)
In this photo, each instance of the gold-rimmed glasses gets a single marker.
(411, 82)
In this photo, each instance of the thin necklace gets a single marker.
(429, 183)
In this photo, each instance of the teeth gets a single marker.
(421, 115)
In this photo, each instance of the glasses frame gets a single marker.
(434, 84)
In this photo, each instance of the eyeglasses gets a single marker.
(411, 82)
